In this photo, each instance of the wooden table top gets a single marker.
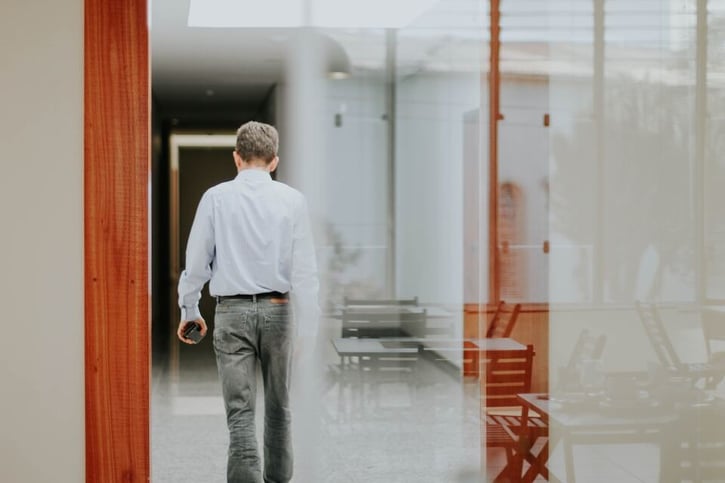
(596, 414)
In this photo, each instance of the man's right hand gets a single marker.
(182, 326)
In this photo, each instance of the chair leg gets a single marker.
(537, 464)
(515, 457)
(523, 453)
(569, 461)
(511, 473)
(507, 475)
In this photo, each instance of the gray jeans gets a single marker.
(245, 332)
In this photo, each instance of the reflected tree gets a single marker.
(646, 184)
(340, 279)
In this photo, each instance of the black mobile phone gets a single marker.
(192, 331)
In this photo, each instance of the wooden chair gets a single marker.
(365, 324)
(587, 347)
(496, 315)
(503, 322)
(712, 372)
(658, 337)
(508, 373)
(713, 329)
(500, 326)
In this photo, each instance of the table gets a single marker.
(472, 349)
(348, 347)
(590, 423)
(385, 356)
(407, 345)
(393, 321)
(432, 311)
(373, 350)
(391, 357)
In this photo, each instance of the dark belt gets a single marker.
(254, 297)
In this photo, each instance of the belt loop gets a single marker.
(254, 298)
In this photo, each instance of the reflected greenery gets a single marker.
(646, 184)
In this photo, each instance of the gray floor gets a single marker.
(422, 429)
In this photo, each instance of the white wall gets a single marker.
(355, 165)
(357, 162)
(523, 159)
(41, 408)
(429, 184)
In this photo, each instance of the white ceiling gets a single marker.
(213, 69)
(231, 70)
(236, 66)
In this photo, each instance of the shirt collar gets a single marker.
(255, 175)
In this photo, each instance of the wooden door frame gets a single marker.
(116, 240)
(177, 141)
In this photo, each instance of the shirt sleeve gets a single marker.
(304, 279)
(199, 256)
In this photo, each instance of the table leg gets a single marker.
(569, 460)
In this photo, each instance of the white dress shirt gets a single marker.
(252, 235)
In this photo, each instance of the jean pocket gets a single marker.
(228, 341)
(277, 313)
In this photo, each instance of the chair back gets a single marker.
(503, 322)
(347, 302)
(713, 329)
(587, 347)
(366, 323)
(658, 337)
(508, 373)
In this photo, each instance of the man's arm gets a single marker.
(199, 256)
(305, 284)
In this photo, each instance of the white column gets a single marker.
(304, 167)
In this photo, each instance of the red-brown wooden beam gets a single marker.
(494, 115)
(116, 156)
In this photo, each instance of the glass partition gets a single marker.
(714, 169)
(516, 207)
(635, 375)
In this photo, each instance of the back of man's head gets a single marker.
(257, 141)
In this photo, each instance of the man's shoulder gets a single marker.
(219, 188)
(281, 189)
(289, 191)
(284, 187)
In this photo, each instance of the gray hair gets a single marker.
(256, 140)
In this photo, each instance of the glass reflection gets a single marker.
(378, 152)
(601, 358)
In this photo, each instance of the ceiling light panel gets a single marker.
(245, 13)
(291, 13)
(367, 13)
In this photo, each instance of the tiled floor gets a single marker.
(427, 432)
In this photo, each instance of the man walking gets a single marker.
(251, 237)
